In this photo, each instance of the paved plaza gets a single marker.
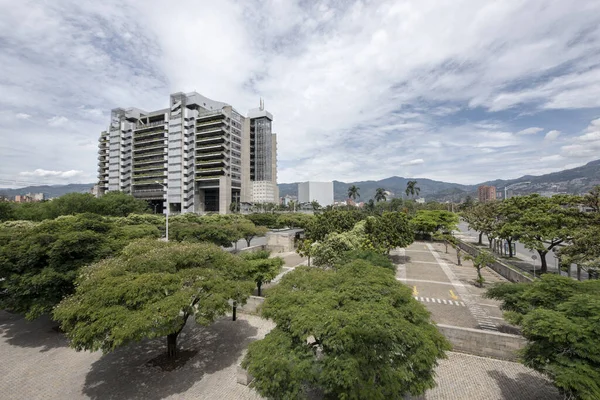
(447, 289)
(38, 364)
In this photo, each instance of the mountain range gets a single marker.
(575, 181)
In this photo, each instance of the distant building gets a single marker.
(286, 200)
(420, 200)
(29, 197)
(486, 193)
(319, 191)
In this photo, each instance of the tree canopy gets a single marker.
(354, 333)
(150, 290)
(427, 222)
(39, 261)
(560, 317)
(262, 269)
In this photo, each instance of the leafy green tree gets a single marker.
(373, 258)
(482, 218)
(412, 188)
(6, 211)
(294, 220)
(426, 223)
(221, 234)
(304, 249)
(119, 204)
(261, 268)
(480, 261)
(592, 199)
(380, 194)
(559, 318)
(38, 264)
(388, 231)
(315, 205)
(353, 192)
(445, 238)
(467, 204)
(354, 333)
(546, 223)
(332, 221)
(506, 224)
(150, 291)
(249, 231)
(262, 219)
(584, 246)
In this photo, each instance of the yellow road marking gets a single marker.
(454, 297)
(415, 292)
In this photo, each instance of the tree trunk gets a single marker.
(479, 277)
(309, 261)
(490, 241)
(446, 244)
(172, 345)
(258, 285)
(510, 252)
(578, 273)
(248, 241)
(544, 267)
(480, 238)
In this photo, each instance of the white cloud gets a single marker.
(43, 173)
(57, 121)
(416, 161)
(530, 131)
(352, 97)
(22, 116)
(552, 135)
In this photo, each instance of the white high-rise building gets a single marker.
(322, 192)
(197, 155)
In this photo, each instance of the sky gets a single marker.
(454, 90)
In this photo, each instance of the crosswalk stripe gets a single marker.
(444, 301)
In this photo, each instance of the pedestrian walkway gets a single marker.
(440, 301)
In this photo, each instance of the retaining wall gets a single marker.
(483, 343)
(507, 271)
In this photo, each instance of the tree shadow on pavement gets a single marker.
(127, 373)
(41, 332)
(398, 259)
(524, 386)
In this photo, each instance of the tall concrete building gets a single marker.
(486, 193)
(194, 156)
(263, 156)
(319, 191)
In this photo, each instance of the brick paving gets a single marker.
(464, 376)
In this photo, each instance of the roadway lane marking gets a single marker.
(478, 313)
(439, 301)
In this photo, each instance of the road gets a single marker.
(522, 252)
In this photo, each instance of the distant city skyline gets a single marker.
(462, 92)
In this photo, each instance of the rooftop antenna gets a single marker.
(262, 104)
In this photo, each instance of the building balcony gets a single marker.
(140, 126)
(149, 145)
(212, 163)
(210, 156)
(211, 128)
(143, 141)
(149, 153)
(212, 114)
(154, 160)
(210, 148)
(212, 140)
(149, 167)
(205, 124)
(156, 133)
(148, 181)
(208, 178)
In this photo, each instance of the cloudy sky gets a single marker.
(454, 90)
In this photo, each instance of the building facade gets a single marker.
(194, 156)
(486, 193)
(322, 192)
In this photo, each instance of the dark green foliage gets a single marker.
(294, 220)
(39, 262)
(388, 231)
(337, 221)
(426, 223)
(6, 211)
(262, 268)
(354, 333)
(372, 257)
(219, 234)
(114, 204)
(150, 291)
(265, 219)
(561, 319)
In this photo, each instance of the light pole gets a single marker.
(534, 257)
(510, 186)
(167, 219)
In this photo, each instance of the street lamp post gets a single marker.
(167, 219)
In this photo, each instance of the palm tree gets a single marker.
(412, 188)
(353, 192)
(380, 195)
